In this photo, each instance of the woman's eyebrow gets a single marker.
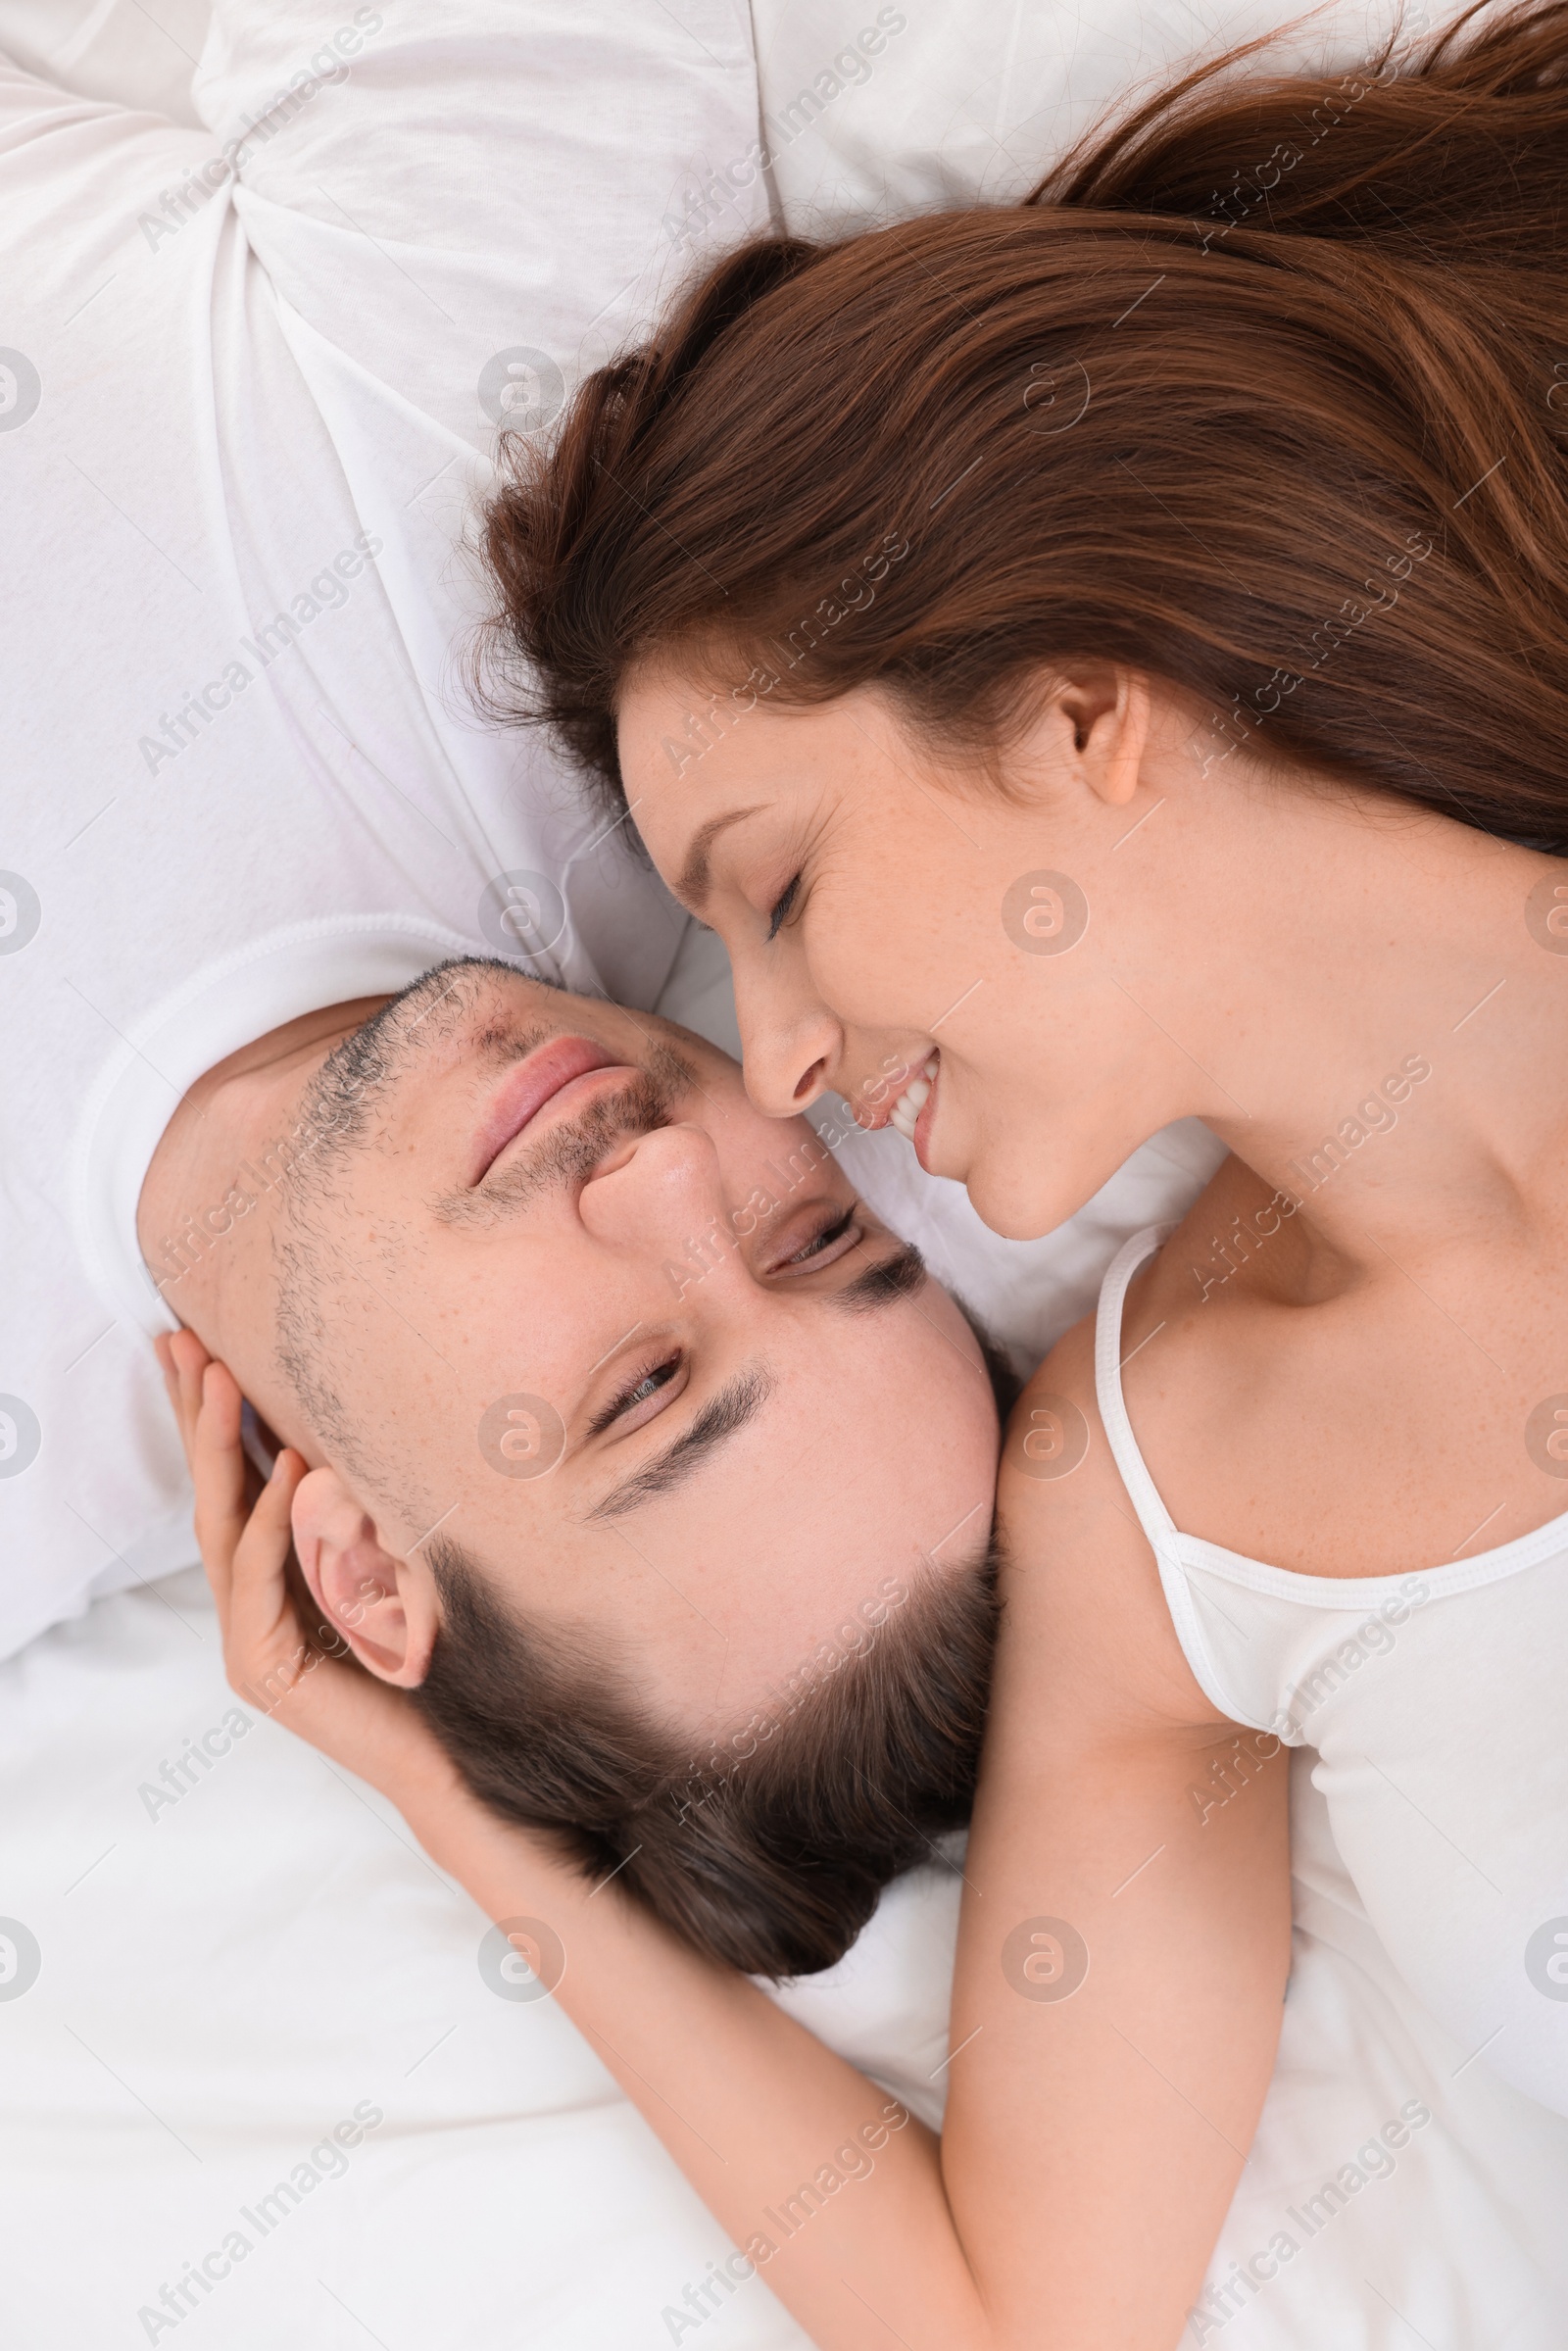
(695, 874)
(738, 1402)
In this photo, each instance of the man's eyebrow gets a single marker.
(902, 1275)
(692, 887)
(738, 1402)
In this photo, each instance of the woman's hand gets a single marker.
(295, 1668)
(1014, 2229)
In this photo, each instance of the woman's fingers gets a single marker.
(269, 1662)
(184, 1360)
(218, 1466)
(244, 1550)
(264, 1647)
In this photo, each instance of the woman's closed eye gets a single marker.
(782, 905)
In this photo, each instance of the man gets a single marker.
(249, 377)
(633, 1435)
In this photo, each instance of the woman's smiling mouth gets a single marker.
(912, 1112)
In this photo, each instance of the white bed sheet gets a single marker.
(225, 1978)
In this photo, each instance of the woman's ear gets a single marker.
(385, 1606)
(1108, 708)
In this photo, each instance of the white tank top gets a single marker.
(1436, 1706)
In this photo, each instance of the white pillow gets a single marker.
(874, 113)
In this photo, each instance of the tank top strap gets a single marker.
(1153, 1515)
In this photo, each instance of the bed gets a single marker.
(261, 2079)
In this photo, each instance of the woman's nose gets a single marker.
(790, 1048)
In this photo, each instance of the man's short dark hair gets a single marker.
(769, 1852)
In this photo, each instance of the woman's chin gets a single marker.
(1025, 1187)
(1014, 1201)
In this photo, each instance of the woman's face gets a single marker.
(887, 915)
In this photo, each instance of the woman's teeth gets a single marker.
(912, 1100)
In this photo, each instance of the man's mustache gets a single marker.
(574, 1149)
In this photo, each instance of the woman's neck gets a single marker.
(1399, 1056)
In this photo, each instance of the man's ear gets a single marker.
(385, 1606)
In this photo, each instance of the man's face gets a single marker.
(544, 1280)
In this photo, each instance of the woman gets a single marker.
(1043, 643)
(1101, 662)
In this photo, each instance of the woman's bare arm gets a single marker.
(1107, 2127)
(1092, 2140)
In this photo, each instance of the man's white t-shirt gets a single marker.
(250, 380)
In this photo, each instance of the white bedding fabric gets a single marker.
(970, 104)
(224, 1979)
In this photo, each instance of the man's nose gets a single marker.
(664, 1198)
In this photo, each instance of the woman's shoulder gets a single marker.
(1056, 1424)
(1081, 1583)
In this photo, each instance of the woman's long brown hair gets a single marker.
(1264, 393)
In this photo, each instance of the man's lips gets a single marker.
(539, 1078)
